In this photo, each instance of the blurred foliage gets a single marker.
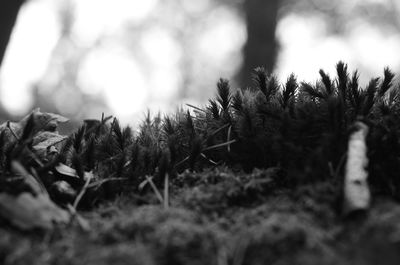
(339, 13)
(200, 42)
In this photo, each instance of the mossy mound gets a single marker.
(254, 177)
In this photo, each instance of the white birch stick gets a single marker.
(356, 191)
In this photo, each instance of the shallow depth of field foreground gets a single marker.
(292, 173)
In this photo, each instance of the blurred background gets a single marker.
(122, 57)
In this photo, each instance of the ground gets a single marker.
(218, 217)
(256, 177)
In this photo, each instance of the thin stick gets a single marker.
(197, 108)
(206, 149)
(166, 191)
(153, 186)
(182, 161)
(216, 131)
(12, 131)
(219, 145)
(83, 223)
(101, 182)
(340, 164)
(82, 192)
(229, 138)
(209, 159)
(330, 167)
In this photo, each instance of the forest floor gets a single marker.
(145, 204)
(218, 217)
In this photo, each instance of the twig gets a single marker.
(197, 108)
(219, 145)
(83, 223)
(101, 182)
(166, 191)
(153, 186)
(206, 149)
(217, 131)
(82, 192)
(330, 167)
(209, 159)
(229, 138)
(12, 131)
(340, 164)
(182, 161)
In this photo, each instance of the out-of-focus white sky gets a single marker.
(307, 44)
(146, 68)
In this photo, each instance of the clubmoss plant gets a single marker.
(298, 127)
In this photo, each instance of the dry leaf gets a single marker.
(43, 122)
(70, 174)
(29, 212)
(45, 144)
(35, 184)
(66, 170)
(46, 139)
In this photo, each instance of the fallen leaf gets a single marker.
(29, 212)
(35, 184)
(69, 174)
(46, 139)
(43, 122)
(66, 170)
(46, 144)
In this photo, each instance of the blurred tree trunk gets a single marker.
(261, 46)
(8, 15)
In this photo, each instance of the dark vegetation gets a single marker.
(255, 177)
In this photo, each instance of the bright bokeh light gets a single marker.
(112, 71)
(160, 47)
(218, 45)
(306, 48)
(308, 45)
(195, 7)
(133, 70)
(375, 48)
(95, 18)
(226, 33)
(147, 54)
(164, 55)
(34, 37)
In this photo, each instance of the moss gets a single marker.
(255, 177)
(175, 236)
